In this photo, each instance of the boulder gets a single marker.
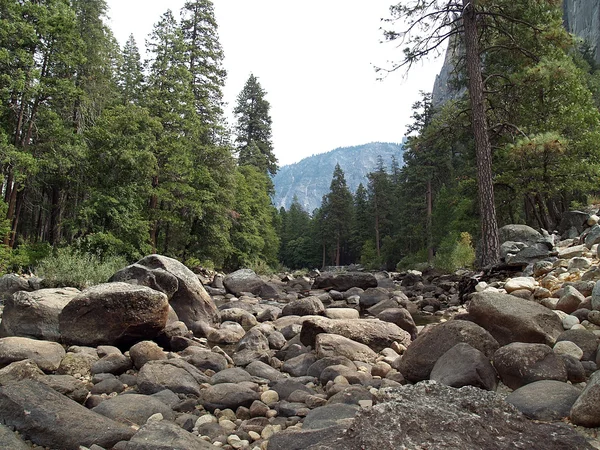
(245, 318)
(371, 296)
(586, 340)
(547, 400)
(254, 346)
(342, 313)
(519, 233)
(570, 300)
(328, 415)
(434, 416)
(173, 374)
(226, 333)
(18, 371)
(521, 363)
(35, 314)
(186, 294)
(50, 419)
(299, 365)
(145, 351)
(163, 435)
(344, 281)
(10, 440)
(336, 345)
(243, 280)
(512, 319)
(67, 385)
(133, 409)
(464, 365)
(227, 395)
(11, 283)
(47, 355)
(402, 318)
(377, 334)
(586, 409)
(420, 357)
(308, 306)
(573, 219)
(204, 359)
(114, 314)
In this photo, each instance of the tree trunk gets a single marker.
(490, 246)
(55, 216)
(154, 225)
(429, 224)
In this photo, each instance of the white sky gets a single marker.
(314, 59)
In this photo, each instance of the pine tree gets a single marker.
(131, 73)
(205, 63)
(338, 213)
(253, 129)
(380, 202)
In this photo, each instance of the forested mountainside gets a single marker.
(310, 178)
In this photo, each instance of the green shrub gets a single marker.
(368, 256)
(415, 261)
(455, 252)
(260, 267)
(73, 268)
(26, 256)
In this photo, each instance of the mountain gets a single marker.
(580, 17)
(309, 179)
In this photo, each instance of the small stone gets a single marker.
(365, 403)
(254, 435)
(568, 348)
(206, 418)
(398, 347)
(569, 322)
(270, 430)
(517, 283)
(269, 397)
(340, 379)
(227, 424)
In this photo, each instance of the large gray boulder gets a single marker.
(547, 400)
(243, 280)
(228, 395)
(10, 440)
(512, 319)
(586, 409)
(35, 314)
(434, 416)
(420, 357)
(344, 281)
(521, 363)
(186, 294)
(328, 345)
(164, 435)
(308, 306)
(133, 409)
(176, 375)
(464, 365)
(375, 333)
(119, 314)
(11, 283)
(47, 355)
(52, 420)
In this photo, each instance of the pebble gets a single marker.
(269, 431)
(568, 348)
(569, 322)
(269, 397)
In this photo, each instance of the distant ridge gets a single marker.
(309, 179)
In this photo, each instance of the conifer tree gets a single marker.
(131, 73)
(253, 129)
(338, 212)
(205, 63)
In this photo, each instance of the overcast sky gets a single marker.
(315, 59)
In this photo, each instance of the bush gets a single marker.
(455, 252)
(260, 267)
(73, 268)
(415, 261)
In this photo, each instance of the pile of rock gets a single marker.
(148, 361)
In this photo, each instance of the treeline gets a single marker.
(105, 153)
(542, 93)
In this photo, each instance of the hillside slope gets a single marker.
(309, 179)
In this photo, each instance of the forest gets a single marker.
(106, 154)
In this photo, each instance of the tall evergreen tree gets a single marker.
(131, 73)
(205, 63)
(253, 129)
(338, 212)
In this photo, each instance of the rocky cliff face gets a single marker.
(581, 17)
(310, 178)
